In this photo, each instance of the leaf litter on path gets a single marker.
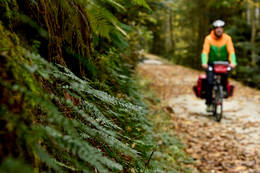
(230, 146)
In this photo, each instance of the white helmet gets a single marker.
(218, 23)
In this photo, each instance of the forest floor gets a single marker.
(233, 145)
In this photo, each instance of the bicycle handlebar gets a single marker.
(229, 68)
(221, 63)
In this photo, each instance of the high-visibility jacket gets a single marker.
(218, 49)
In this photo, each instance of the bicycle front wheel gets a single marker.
(218, 103)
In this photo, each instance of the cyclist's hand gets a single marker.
(205, 66)
(233, 66)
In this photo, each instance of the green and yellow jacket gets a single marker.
(218, 49)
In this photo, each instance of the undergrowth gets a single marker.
(69, 101)
(53, 120)
(169, 152)
(56, 118)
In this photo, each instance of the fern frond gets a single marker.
(46, 158)
(114, 4)
(83, 150)
(142, 3)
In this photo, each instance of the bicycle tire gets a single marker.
(218, 103)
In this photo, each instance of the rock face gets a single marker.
(230, 146)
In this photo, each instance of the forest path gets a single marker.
(230, 146)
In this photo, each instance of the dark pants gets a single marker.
(210, 80)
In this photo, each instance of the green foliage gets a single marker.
(13, 165)
(63, 125)
(69, 102)
(178, 29)
(141, 2)
(241, 35)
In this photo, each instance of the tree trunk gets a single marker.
(202, 29)
(163, 37)
(253, 32)
(158, 46)
(248, 13)
(168, 40)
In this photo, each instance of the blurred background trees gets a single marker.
(178, 29)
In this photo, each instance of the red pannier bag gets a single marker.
(220, 68)
(200, 88)
(230, 90)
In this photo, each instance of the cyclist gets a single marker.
(217, 46)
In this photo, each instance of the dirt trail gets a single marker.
(230, 146)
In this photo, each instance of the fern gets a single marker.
(83, 150)
(65, 122)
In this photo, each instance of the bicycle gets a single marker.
(220, 68)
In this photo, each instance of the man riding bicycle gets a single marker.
(217, 46)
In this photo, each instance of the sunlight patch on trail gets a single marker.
(152, 61)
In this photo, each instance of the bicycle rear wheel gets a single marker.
(218, 103)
